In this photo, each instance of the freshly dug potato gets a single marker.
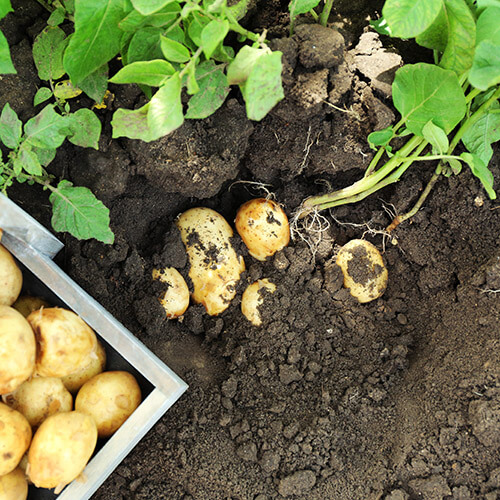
(15, 437)
(39, 398)
(215, 267)
(65, 343)
(263, 227)
(26, 304)
(175, 300)
(364, 271)
(11, 278)
(14, 486)
(17, 349)
(253, 297)
(109, 398)
(60, 449)
(75, 380)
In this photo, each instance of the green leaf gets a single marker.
(77, 211)
(195, 27)
(483, 4)
(435, 37)
(47, 129)
(262, 89)
(10, 127)
(96, 84)
(212, 35)
(57, 17)
(380, 137)
(48, 50)
(481, 171)
(85, 128)
(145, 45)
(66, 90)
(485, 70)
(45, 156)
(147, 7)
(297, 7)
(192, 84)
(42, 94)
(437, 137)
(151, 73)
(423, 92)
(6, 66)
(28, 161)
(488, 26)
(245, 60)
(381, 26)
(162, 18)
(69, 5)
(409, 18)
(239, 9)
(165, 108)
(5, 8)
(174, 51)
(455, 165)
(133, 123)
(96, 39)
(482, 134)
(213, 91)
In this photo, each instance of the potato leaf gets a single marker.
(485, 71)
(409, 18)
(145, 45)
(436, 137)
(151, 73)
(174, 51)
(212, 35)
(241, 66)
(132, 123)
(147, 7)
(28, 161)
(435, 37)
(297, 7)
(10, 127)
(239, 9)
(42, 94)
(5, 8)
(481, 171)
(48, 50)
(96, 84)
(488, 25)
(47, 129)
(84, 127)
(6, 66)
(380, 137)
(479, 138)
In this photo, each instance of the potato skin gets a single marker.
(11, 278)
(109, 398)
(17, 349)
(175, 300)
(14, 486)
(252, 299)
(26, 304)
(60, 449)
(15, 437)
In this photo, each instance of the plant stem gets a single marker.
(235, 26)
(325, 13)
(314, 15)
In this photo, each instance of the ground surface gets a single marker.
(329, 399)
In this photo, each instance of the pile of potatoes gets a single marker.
(57, 400)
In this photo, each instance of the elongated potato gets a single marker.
(60, 449)
(253, 297)
(26, 304)
(215, 268)
(65, 343)
(15, 437)
(13, 486)
(175, 300)
(17, 349)
(11, 278)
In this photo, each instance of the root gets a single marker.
(309, 229)
(257, 185)
(489, 291)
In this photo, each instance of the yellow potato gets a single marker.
(364, 270)
(14, 486)
(75, 380)
(215, 268)
(175, 300)
(252, 298)
(17, 349)
(109, 398)
(26, 305)
(60, 449)
(11, 278)
(39, 398)
(15, 437)
(65, 343)
(263, 227)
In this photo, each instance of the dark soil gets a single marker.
(396, 399)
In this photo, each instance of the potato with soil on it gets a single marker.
(60, 450)
(215, 268)
(65, 343)
(263, 227)
(14, 486)
(11, 278)
(109, 398)
(253, 298)
(363, 268)
(17, 349)
(175, 300)
(26, 304)
(15, 438)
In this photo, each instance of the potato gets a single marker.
(175, 300)
(75, 380)
(263, 227)
(11, 278)
(60, 449)
(17, 349)
(39, 398)
(109, 398)
(13, 486)
(252, 298)
(215, 268)
(26, 305)
(15, 437)
(364, 271)
(65, 343)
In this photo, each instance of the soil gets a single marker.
(395, 399)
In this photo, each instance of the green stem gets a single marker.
(314, 14)
(192, 61)
(235, 26)
(325, 13)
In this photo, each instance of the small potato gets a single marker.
(15, 437)
(17, 349)
(11, 278)
(263, 227)
(39, 398)
(26, 305)
(65, 343)
(364, 271)
(60, 450)
(215, 268)
(253, 297)
(75, 380)
(109, 398)
(175, 300)
(14, 486)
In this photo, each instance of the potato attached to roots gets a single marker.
(17, 349)
(215, 268)
(175, 300)
(65, 343)
(14, 486)
(11, 278)
(263, 227)
(26, 304)
(364, 271)
(253, 298)
(109, 398)
(15, 437)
